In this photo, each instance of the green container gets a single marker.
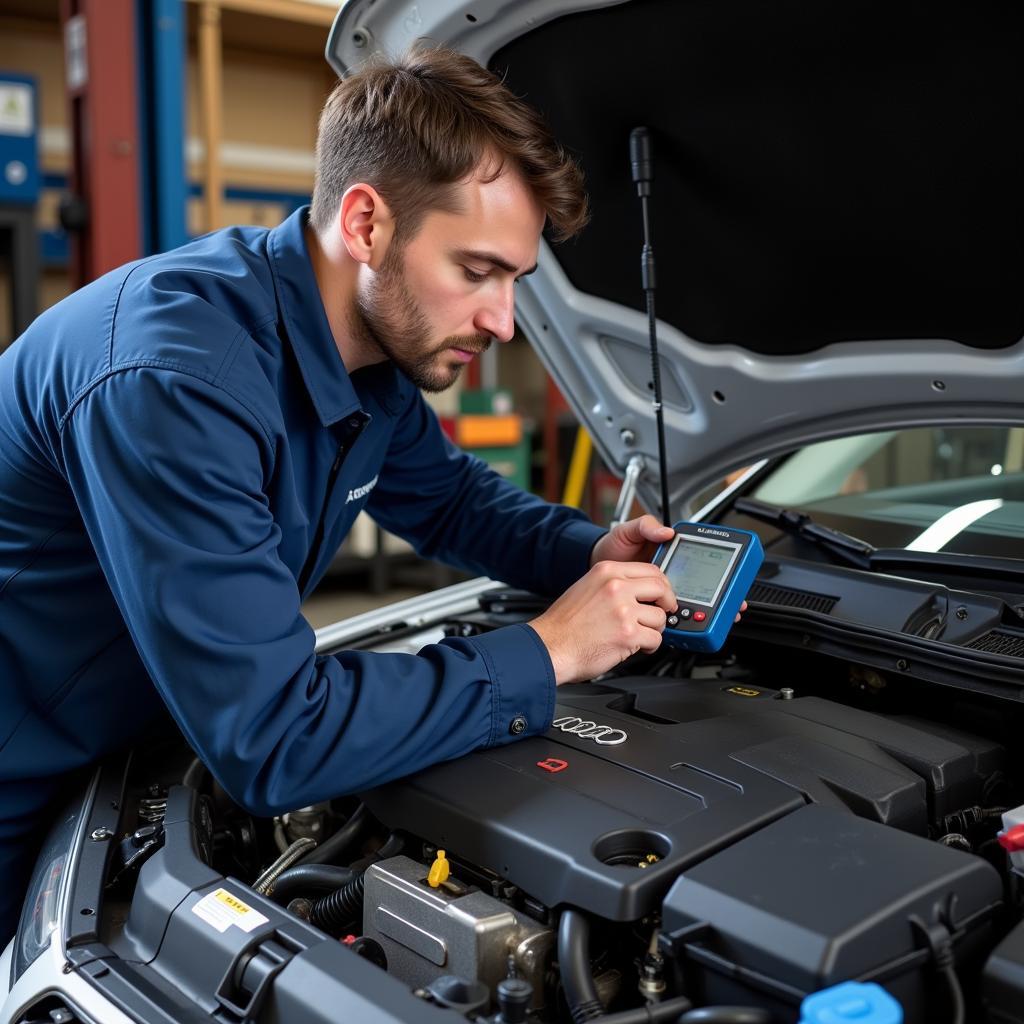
(511, 461)
(486, 402)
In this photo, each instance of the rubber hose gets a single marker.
(332, 913)
(574, 966)
(726, 1015)
(305, 877)
(666, 1012)
(393, 846)
(331, 849)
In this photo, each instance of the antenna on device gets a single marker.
(643, 174)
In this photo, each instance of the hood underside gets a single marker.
(837, 213)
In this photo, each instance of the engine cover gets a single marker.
(634, 784)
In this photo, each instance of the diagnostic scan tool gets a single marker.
(711, 568)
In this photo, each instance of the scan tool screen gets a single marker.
(698, 569)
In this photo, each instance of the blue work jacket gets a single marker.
(181, 454)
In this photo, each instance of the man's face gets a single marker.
(437, 301)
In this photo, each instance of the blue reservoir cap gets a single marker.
(852, 1002)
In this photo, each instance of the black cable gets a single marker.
(574, 967)
(946, 967)
(331, 849)
(955, 993)
(940, 942)
(309, 877)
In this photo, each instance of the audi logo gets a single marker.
(603, 734)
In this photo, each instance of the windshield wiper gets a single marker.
(862, 555)
(850, 549)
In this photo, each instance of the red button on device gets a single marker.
(699, 616)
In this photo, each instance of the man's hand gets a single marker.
(635, 541)
(616, 610)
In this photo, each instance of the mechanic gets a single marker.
(185, 442)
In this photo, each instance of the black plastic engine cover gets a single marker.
(822, 897)
(1003, 981)
(570, 819)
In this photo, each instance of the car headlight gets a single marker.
(40, 912)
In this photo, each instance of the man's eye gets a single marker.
(473, 277)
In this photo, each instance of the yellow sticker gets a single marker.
(221, 909)
(232, 901)
(743, 691)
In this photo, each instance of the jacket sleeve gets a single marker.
(169, 473)
(452, 506)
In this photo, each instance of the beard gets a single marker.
(388, 317)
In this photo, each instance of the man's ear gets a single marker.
(367, 226)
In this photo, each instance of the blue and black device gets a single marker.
(711, 568)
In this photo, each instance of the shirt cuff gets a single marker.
(575, 545)
(522, 683)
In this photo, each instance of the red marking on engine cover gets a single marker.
(553, 764)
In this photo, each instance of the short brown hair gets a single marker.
(414, 126)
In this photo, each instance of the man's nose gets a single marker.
(498, 318)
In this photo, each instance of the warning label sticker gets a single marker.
(220, 909)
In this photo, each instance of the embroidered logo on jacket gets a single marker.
(361, 492)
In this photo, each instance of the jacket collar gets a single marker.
(309, 332)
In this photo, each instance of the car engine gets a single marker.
(696, 838)
(712, 817)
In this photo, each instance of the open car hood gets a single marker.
(837, 212)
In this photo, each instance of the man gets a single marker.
(185, 442)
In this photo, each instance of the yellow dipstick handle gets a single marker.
(439, 871)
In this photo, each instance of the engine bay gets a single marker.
(696, 834)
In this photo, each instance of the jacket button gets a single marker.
(517, 726)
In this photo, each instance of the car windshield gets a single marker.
(936, 489)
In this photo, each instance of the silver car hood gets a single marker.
(739, 388)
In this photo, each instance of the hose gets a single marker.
(584, 1005)
(280, 839)
(327, 877)
(666, 1012)
(574, 966)
(726, 1015)
(334, 911)
(393, 846)
(265, 882)
(304, 877)
(331, 849)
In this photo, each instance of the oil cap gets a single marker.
(439, 871)
(852, 1002)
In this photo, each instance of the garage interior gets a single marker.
(681, 825)
(205, 116)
